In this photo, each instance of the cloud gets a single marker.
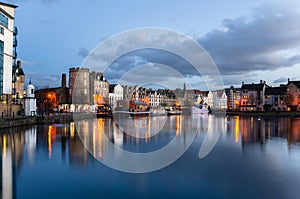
(41, 80)
(267, 40)
(28, 63)
(83, 52)
(280, 80)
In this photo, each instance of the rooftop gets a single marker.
(7, 4)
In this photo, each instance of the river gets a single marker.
(158, 157)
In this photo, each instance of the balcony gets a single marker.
(15, 31)
(15, 55)
(15, 42)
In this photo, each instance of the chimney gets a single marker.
(261, 81)
(288, 80)
(63, 80)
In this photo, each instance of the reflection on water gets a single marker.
(41, 146)
(259, 130)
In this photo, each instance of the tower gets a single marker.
(30, 101)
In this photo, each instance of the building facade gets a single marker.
(79, 86)
(7, 48)
(217, 100)
(115, 94)
(293, 95)
(233, 98)
(275, 98)
(252, 96)
(99, 88)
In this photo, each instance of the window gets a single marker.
(245, 96)
(2, 30)
(3, 20)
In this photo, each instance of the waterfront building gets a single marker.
(293, 95)
(155, 98)
(7, 48)
(99, 88)
(217, 100)
(53, 99)
(275, 98)
(252, 96)
(79, 89)
(233, 98)
(8, 57)
(115, 94)
(30, 101)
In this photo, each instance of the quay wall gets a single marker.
(20, 121)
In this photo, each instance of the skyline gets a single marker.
(248, 41)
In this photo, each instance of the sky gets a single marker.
(247, 40)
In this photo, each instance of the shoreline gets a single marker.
(264, 114)
(8, 122)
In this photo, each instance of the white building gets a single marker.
(116, 93)
(155, 98)
(30, 101)
(217, 100)
(7, 44)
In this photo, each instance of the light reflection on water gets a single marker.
(252, 158)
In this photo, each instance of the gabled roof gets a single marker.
(281, 90)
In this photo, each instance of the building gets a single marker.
(79, 88)
(217, 100)
(275, 98)
(8, 57)
(20, 81)
(293, 95)
(7, 48)
(99, 88)
(53, 99)
(252, 96)
(233, 98)
(115, 94)
(30, 101)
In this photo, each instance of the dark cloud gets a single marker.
(259, 42)
(146, 56)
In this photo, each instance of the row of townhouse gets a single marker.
(255, 97)
(262, 97)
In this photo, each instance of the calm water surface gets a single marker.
(253, 158)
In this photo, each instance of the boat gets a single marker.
(173, 111)
(103, 111)
(158, 111)
(200, 110)
(131, 108)
(131, 113)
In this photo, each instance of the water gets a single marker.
(252, 158)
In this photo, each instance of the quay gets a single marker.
(264, 114)
(7, 122)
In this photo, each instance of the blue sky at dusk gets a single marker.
(248, 40)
